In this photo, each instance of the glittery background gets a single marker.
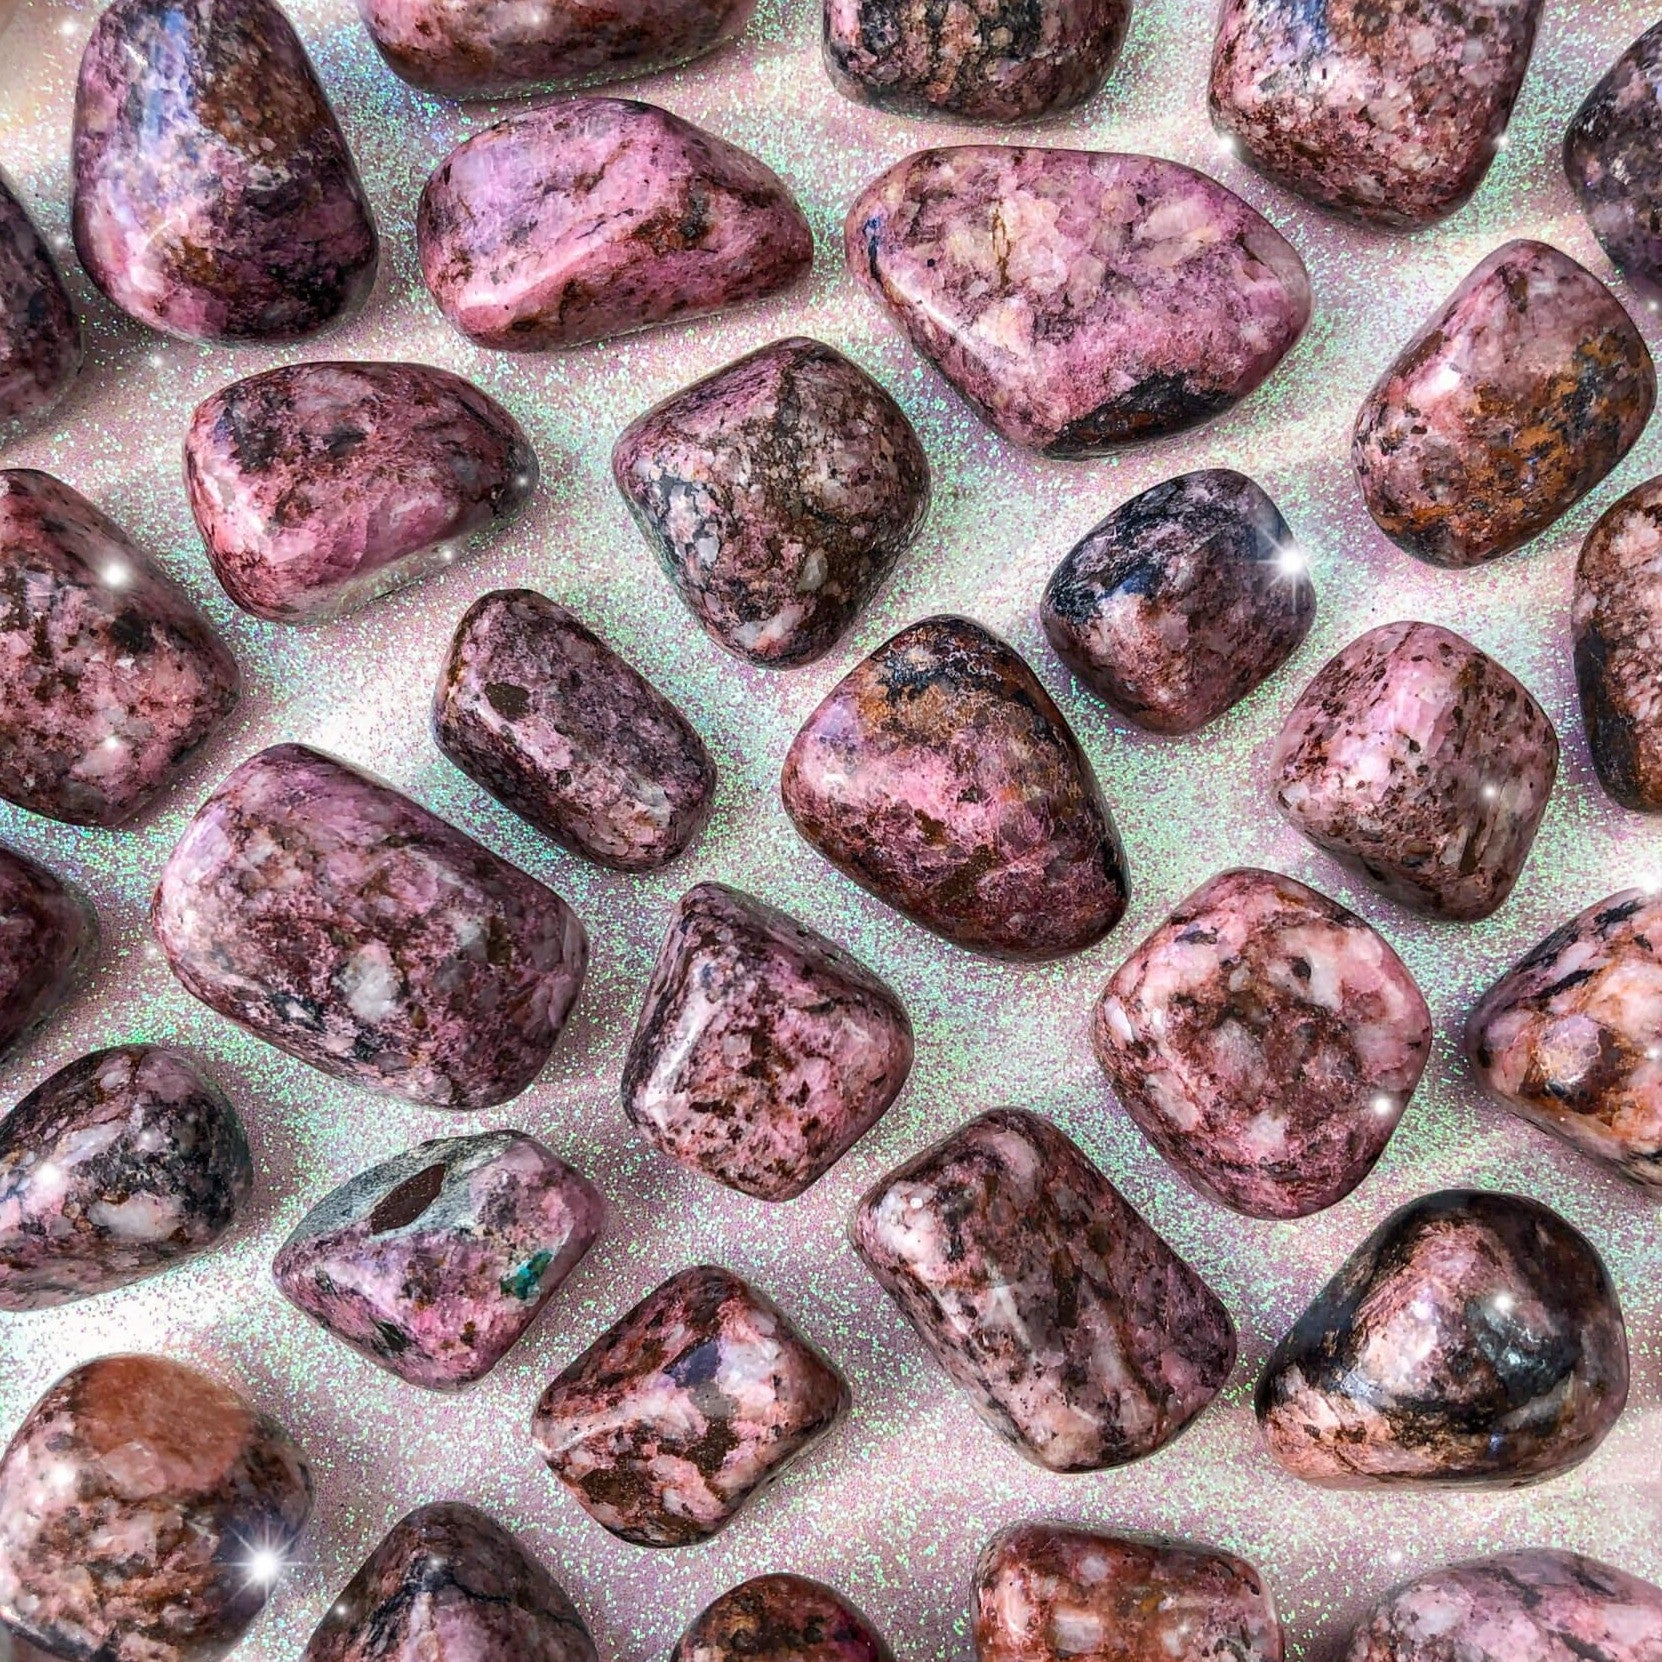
(895, 1506)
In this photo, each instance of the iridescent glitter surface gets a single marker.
(895, 1506)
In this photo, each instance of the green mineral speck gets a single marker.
(526, 1279)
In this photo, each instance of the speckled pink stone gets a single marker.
(435, 1263)
(763, 1052)
(40, 330)
(677, 1414)
(1267, 1041)
(48, 938)
(340, 921)
(110, 678)
(781, 1618)
(1420, 764)
(1079, 300)
(597, 216)
(1076, 1332)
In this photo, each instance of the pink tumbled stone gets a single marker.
(597, 216)
(48, 936)
(781, 1618)
(40, 330)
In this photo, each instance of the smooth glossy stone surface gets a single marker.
(778, 494)
(40, 331)
(1181, 601)
(340, 921)
(137, 1502)
(763, 1052)
(48, 938)
(678, 1413)
(939, 775)
(503, 48)
(1510, 404)
(984, 61)
(781, 1618)
(1079, 300)
(1472, 1339)
(1266, 1041)
(447, 1582)
(119, 1165)
(110, 678)
(1613, 158)
(319, 486)
(596, 216)
(1421, 765)
(1617, 616)
(1045, 1593)
(1536, 1606)
(1387, 110)
(215, 197)
(1571, 1036)
(537, 708)
(1077, 1333)
(434, 1263)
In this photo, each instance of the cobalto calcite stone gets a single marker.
(40, 332)
(48, 936)
(781, 1618)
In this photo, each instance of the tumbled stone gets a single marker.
(1386, 110)
(40, 331)
(338, 920)
(145, 1510)
(121, 1164)
(1079, 300)
(1617, 616)
(1471, 1340)
(448, 1581)
(940, 775)
(987, 61)
(1533, 1606)
(1611, 156)
(596, 216)
(1267, 1041)
(1510, 404)
(110, 678)
(1421, 765)
(1045, 1593)
(763, 1052)
(504, 48)
(215, 197)
(318, 487)
(1571, 1036)
(679, 1412)
(538, 709)
(434, 1263)
(781, 1618)
(778, 494)
(1181, 601)
(48, 938)
(1077, 1333)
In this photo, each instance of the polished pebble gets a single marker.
(48, 941)
(40, 330)
(781, 1618)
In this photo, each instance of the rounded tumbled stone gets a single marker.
(763, 1052)
(538, 709)
(48, 939)
(319, 486)
(110, 678)
(215, 197)
(1472, 1340)
(1076, 1332)
(121, 1164)
(1047, 1593)
(1421, 765)
(450, 1582)
(1532, 1606)
(333, 917)
(677, 1414)
(1078, 300)
(778, 494)
(141, 1505)
(1266, 1040)
(781, 1618)
(940, 775)
(1389, 111)
(1517, 397)
(40, 330)
(597, 216)
(1181, 601)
